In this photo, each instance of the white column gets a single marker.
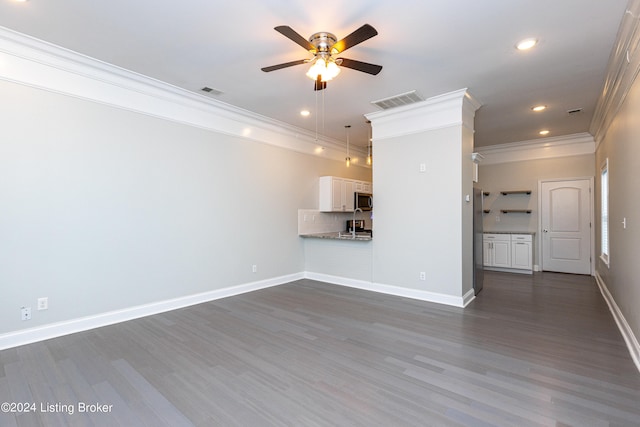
(422, 173)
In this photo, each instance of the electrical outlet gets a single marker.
(423, 275)
(43, 303)
(254, 268)
(25, 313)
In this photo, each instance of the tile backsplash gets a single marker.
(312, 221)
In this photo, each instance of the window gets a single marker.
(604, 212)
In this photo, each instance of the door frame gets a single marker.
(591, 219)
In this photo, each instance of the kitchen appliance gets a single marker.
(359, 225)
(363, 201)
(478, 256)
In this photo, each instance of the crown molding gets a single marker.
(622, 70)
(543, 148)
(446, 110)
(32, 62)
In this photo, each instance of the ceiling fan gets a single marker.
(324, 47)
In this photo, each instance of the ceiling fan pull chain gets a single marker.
(324, 132)
(316, 92)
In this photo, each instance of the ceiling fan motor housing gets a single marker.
(323, 41)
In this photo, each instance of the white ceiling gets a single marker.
(434, 47)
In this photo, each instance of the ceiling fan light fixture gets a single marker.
(326, 68)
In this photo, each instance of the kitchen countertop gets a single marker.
(509, 232)
(339, 235)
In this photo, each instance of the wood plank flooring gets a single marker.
(539, 350)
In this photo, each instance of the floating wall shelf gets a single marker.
(505, 193)
(506, 211)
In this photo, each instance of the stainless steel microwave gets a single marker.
(363, 201)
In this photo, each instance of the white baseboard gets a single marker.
(53, 330)
(623, 325)
(509, 270)
(394, 290)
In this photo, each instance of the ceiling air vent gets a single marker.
(211, 91)
(398, 100)
(574, 112)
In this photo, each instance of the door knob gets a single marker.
(545, 230)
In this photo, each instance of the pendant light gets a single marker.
(348, 159)
(369, 142)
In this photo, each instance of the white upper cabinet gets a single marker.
(362, 187)
(337, 194)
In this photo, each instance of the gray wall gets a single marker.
(104, 209)
(524, 175)
(418, 215)
(620, 145)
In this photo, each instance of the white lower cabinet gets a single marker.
(497, 250)
(508, 252)
(521, 253)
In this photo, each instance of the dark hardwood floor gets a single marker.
(529, 351)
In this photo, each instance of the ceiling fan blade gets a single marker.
(285, 65)
(290, 33)
(365, 67)
(358, 36)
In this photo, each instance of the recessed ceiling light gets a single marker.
(544, 132)
(526, 44)
(538, 108)
(305, 113)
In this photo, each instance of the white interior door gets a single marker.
(566, 226)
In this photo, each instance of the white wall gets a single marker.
(104, 209)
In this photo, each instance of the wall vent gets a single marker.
(211, 91)
(398, 100)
